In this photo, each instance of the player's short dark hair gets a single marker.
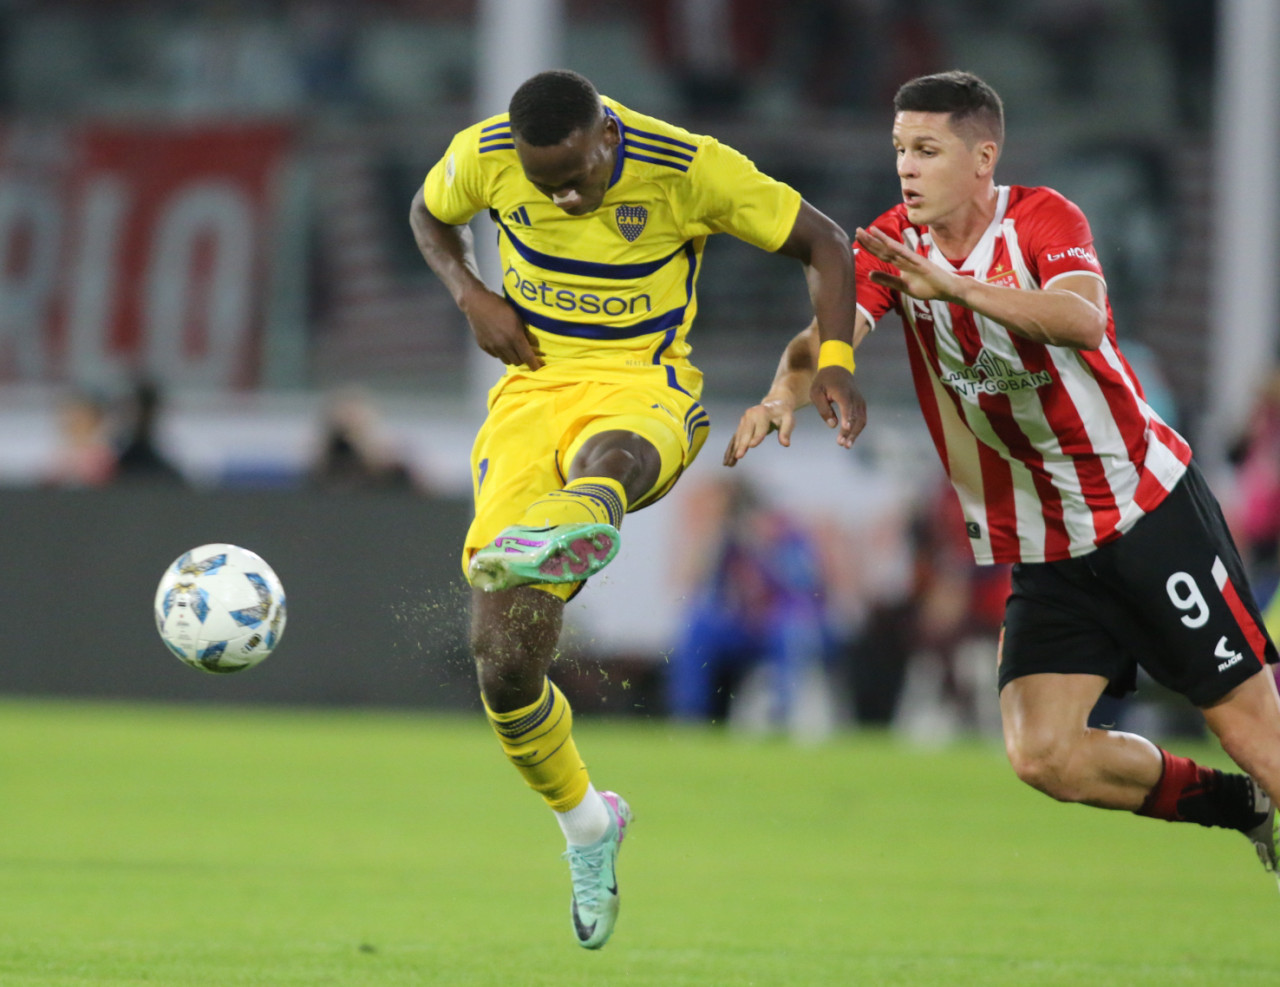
(975, 108)
(549, 107)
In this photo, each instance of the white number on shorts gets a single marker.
(1186, 595)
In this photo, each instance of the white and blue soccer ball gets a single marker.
(220, 608)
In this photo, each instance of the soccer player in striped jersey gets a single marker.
(1120, 554)
(602, 215)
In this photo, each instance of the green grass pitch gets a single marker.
(166, 845)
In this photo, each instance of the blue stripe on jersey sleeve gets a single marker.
(587, 268)
(497, 135)
(501, 125)
(659, 137)
(641, 146)
(617, 160)
(497, 147)
(662, 161)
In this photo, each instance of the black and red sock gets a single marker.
(1188, 792)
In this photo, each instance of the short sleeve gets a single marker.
(875, 300)
(729, 194)
(1056, 239)
(454, 189)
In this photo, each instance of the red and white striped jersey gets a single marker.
(1052, 451)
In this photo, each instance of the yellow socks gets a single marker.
(536, 739)
(592, 499)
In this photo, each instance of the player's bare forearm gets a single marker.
(788, 392)
(448, 251)
(823, 247)
(796, 369)
(791, 390)
(1060, 316)
(1073, 313)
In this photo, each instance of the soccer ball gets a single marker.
(220, 608)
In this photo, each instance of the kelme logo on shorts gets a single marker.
(631, 220)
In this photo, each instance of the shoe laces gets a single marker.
(585, 865)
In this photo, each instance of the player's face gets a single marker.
(938, 172)
(575, 173)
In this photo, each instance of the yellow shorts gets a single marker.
(527, 443)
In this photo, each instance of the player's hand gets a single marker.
(917, 276)
(840, 403)
(770, 415)
(500, 332)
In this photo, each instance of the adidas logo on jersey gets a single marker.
(519, 216)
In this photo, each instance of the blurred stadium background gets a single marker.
(203, 229)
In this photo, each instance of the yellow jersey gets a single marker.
(610, 295)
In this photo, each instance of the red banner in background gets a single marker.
(126, 250)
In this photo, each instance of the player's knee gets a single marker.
(1046, 764)
(634, 462)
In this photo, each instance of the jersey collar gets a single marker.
(980, 256)
(622, 134)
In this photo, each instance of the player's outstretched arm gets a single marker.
(449, 252)
(1072, 313)
(788, 393)
(823, 247)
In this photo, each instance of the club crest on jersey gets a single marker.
(1003, 278)
(631, 220)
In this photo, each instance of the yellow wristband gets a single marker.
(835, 353)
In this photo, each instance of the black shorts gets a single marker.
(1170, 595)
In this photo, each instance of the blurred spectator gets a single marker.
(84, 457)
(355, 453)
(855, 53)
(325, 36)
(1258, 476)
(927, 662)
(1073, 34)
(1155, 385)
(224, 57)
(756, 600)
(1190, 30)
(139, 459)
(959, 607)
(713, 48)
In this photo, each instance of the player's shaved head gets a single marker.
(549, 107)
(976, 112)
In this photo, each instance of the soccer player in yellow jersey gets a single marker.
(602, 215)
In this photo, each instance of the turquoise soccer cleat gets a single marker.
(564, 553)
(594, 908)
